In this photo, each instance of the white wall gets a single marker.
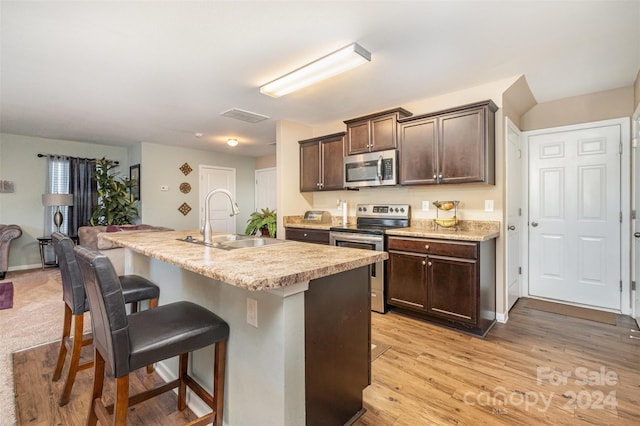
(160, 165)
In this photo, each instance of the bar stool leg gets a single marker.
(218, 380)
(122, 400)
(96, 394)
(66, 330)
(182, 377)
(75, 359)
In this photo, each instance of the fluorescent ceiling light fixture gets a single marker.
(232, 142)
(334, 63)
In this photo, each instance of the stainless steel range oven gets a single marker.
(368, 233)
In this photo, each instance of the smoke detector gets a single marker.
(242, 115)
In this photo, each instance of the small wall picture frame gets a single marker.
(134, 175)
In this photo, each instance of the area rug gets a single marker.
(6, 295)
(378, 349)
(571, 311)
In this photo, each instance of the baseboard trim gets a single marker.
(24, 267)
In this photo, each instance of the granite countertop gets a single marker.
(255, 268)
(299, 222)
(466, 230)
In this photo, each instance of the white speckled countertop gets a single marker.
(254, 268)
(466, 230)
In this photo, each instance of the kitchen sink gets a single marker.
(251, 242)
(233, 241)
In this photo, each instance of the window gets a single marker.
(57, 183)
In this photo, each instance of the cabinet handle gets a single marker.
(636, 234)
(426, 246)
(511, 228)
(424, 263)
(534, 224)
(304, 235)
(435, 177)
(430, 264)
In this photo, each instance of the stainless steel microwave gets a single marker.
(371, 169)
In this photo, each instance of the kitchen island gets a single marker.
(299, 314)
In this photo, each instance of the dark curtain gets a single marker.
(84, 189)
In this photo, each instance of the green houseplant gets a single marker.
(265, 220)
(116, 205)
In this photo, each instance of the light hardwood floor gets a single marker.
(529, 371)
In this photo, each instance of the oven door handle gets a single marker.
(348, 236)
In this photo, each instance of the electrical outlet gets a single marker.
(164, 188)
(488, 205)
(425, 206)
(252, 312)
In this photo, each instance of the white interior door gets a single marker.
(514, 213)
(266, 189)
(220, 211)
(635, 247)
(574, 216)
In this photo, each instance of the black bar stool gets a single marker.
(135, 289)
(126, 342)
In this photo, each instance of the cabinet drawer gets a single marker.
(440, 247)
(306, 235)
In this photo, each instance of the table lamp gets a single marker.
(57, 200)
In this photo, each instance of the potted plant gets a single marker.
(116, 205)
(265, 221)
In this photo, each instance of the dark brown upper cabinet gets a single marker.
(375, 132)
(452, 146)
(321, 164)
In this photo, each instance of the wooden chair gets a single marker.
(124, 343)
(134, 288)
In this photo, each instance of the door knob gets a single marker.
(636, 234)
(511, 228)
(534, 224)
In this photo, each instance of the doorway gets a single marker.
(220, 213)
(575, 203)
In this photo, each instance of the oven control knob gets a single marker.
(401, 209)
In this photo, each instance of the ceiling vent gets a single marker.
(248, 116)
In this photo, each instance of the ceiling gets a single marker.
(120, 73)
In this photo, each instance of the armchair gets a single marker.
(7, 234)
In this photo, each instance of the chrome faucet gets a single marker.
(206, 230)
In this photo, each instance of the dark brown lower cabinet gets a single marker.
(451, 283)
